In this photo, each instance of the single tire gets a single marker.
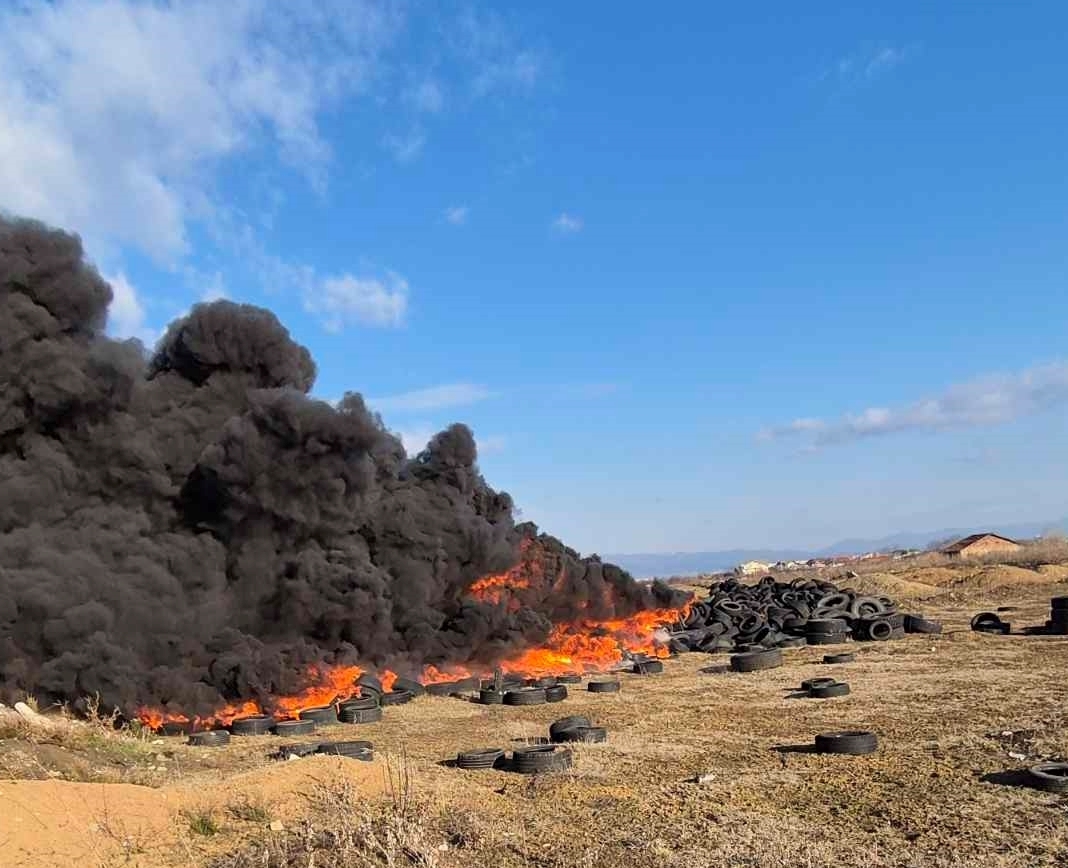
(1060, 603)
(851, 743)
(359, 703)
(792, 642)
(603, 687)
(360, 715)
(756, 661)
(569, 679)
(396, 697)
(358, 750)
(211, 738)
(490, 697)
(586, 734)
(327, 714)
(985, 619)
(825, 626)
(542, 682)
(829, 691)
(572, 721)
(876, 630)
(369, 683)
(525, 696)
(847, 657)
(827, 638)
(257, 724)
(648, 667)
(809, 683)
(288, 751)
(1051, 777)
(539, 759)
(480, 760)
(556, 693)
(409, 684)
(866, 607)
(916, 624)
(294, 727)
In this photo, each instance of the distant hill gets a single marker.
(663, 564)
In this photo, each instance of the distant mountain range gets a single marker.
(663, 564)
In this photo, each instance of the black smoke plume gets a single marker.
(191, 528)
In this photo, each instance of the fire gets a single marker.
(492, 589)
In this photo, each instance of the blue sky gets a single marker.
(699, 278)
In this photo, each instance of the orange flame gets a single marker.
(492, 589)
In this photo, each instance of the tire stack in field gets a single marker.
(771, 614)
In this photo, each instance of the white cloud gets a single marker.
(404, 148)
(428, 96)
(457, 215)
(568, 223)
(433, 398)
(340, 301)
(497, 61)
(114, 114)
(985, 401)
(867, 63)
(415, 440)
(126, 314)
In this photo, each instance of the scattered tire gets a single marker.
(648, 667)
(360, 715)
(829, 691)
(256, 724)
(569, 679)
(603, 687)
(876, 630)
(556, 693)
(539, 759)
(212, 738)
(480, 760)
(326, 714)
(396, 697)
(851, 743)
(1051, 777)
(572, 721)
(827, 638)
(490, 697)
(984, 620)
(525, 696)
(585, 734)
(542, 682)
(1056, 603)
(756, 661)
(294, 727)
(916, 624)
(792, 642)
(809, 683)
(287, 751)
(847, 657)
(359, 750)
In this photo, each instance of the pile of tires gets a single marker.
(771, 614)
(1058, 617)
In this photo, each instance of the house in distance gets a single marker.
(979, 545)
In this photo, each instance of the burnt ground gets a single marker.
(955, 715)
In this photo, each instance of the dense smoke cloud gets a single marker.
(193, 528)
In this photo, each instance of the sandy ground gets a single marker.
(953, 713)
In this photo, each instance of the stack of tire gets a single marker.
(533, 759)
(1058, 617)
(773, 614)
(576, 728)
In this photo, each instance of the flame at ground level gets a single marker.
(575, 648)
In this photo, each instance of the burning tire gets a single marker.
(847, 657)
(359, 703)
(603, 687)
(326, 714)
(1051, 777)
(916, 624)
(556, 693)
(258, 724)
(396, 697)
(756, 661)
(360, 715)
(540, 758)
(572, 721)
(526, 696)
(369, 684)
(359, 750)
(480, 760)
(850, 743)
(212, 738)
(294, 727)
(409, 684)
(543, 682)
(829, 691)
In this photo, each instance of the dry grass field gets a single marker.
(954, 714)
